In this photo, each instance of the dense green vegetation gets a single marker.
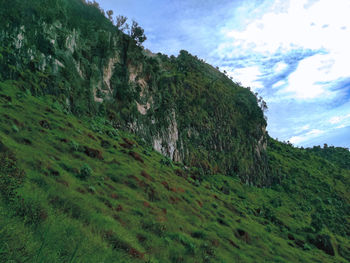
(338, 155)
(81, 182)
(210, 111)
(71, 50)
(77, 190)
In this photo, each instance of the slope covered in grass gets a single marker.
(77, 190)
(187, 109)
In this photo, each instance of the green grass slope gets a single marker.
(77, 190)
(186, 107)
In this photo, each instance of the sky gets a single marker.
(295, 54)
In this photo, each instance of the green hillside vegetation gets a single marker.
(69, 49)
(77, 190)
(337, 155)
(85, 113)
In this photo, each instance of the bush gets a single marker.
(166, 161)
(198, 234)
(344, 251)
(154, 227)
(11, 177)
(323, 242)
(112, 133)
(32, 212)
(85, 172)
(15, 128)
(316, 222)
(74, 146)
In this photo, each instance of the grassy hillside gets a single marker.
(78, 185)
(187, 109)
(77, 190)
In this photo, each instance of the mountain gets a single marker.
(185, 108)
(110, 153)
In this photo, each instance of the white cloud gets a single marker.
(306, 136)
(280, 67)
(323, 25)
(307, 81)
(305, 127)
(341, 126)
(335, 120)
(295, 26)
(345, 119)
(247, 76)
(279, 84)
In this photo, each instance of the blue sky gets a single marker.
(296, 54)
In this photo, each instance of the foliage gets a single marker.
(85, 172)
(333, 154)
(137, 33)
(148, 211)
(121, 23)
(71, 45)
(11, 177)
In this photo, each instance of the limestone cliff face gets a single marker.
(166, 143)
(163, 137)
(183, 107)
(221, 142)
